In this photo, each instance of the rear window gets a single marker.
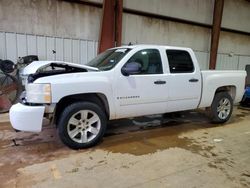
(179, 61)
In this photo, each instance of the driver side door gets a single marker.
(145, 92)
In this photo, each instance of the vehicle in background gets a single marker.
(246, 98)
(123, 82)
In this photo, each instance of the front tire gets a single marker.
(222, 107)
(82, 125)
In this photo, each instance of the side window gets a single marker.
(150, 61)
(179, 61)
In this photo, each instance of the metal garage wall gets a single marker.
(232, 62)
(236, 15)
(224, 61)
(233, 48)
(14, 45)
(194, 10)
(243, 61)
(203, 59)
(50, 18)
(227, 62)
(143, 30)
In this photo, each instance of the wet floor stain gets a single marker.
(137, 136)
(155, 133)
(160, 133)
(150, 141)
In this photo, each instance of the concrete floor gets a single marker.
(182, 150)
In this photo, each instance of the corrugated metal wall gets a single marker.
(14, 45)
(224, 61)
(203, 59)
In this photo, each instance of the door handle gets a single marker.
(159, 82)
(193, 80)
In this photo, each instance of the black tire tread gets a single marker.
(66, 114)
(213, 109)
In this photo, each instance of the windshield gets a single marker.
(108, 59)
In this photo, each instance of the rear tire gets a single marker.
(82, 125)
(221, 108)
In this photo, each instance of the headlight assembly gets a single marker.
(38, 93)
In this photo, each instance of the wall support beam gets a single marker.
(216, 27)
(107, 33)
(111, 26)
(118, 22)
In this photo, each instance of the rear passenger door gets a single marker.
(184, 81)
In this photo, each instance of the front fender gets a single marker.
(80, 83)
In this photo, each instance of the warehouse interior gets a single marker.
(172, 150)
(73, 29)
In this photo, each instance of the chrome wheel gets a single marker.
(83, 126)
(224, 108)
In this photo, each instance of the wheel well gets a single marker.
(231, 90)
(97, 98)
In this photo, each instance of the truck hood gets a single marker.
(36, 65)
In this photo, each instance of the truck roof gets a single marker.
(151, 46)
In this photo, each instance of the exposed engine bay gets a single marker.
(55, 69)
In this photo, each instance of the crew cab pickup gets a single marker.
(121, 82)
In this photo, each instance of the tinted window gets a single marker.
(150, 61)
(179, 61)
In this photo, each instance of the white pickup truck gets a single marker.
(121, 82)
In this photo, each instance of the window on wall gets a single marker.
(150, 61)
(179, 61)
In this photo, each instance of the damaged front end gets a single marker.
(39, 69)
(36, 101)
(54, 69)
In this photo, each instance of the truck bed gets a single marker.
(213, 79)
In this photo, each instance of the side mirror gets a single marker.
(131, 68)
